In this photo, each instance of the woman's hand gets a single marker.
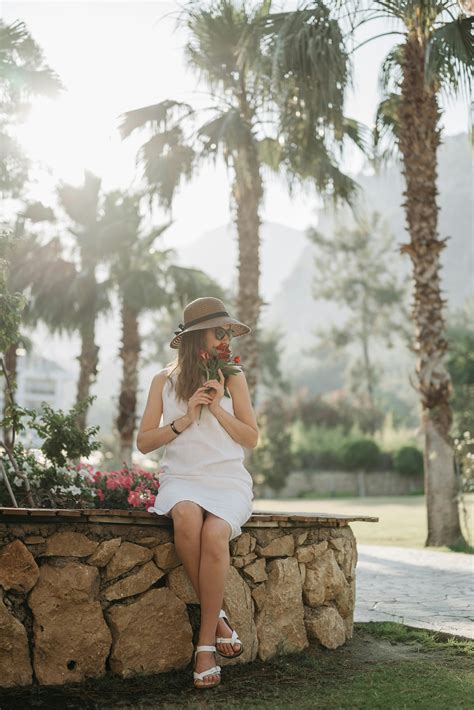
(218, 386)
(198, 399)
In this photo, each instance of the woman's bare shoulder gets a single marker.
(236, 381)
(161, 377)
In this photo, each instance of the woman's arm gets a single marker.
(150, 435)
(243, 426)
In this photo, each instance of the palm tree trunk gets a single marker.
(247, 193)
(88, 361)
(129, 353)
(419, 141)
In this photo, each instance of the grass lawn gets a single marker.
(383, 666)
(402, 519)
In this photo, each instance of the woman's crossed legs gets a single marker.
(202, 544)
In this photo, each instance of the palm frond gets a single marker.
(14, 166)
(271, 153)
(81, 202)
(387, 127)
(449, 56)
(22, 65)
(308, 53)
(37, 212)
(215, 33)
(155, 116)
(189, 284)
(225, 132)
(356, 132)
(167, 161)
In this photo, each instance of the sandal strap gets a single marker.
(233, 639)
(204, 648)
(215, 670)
(222, 614)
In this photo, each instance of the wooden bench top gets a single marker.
(142, 517)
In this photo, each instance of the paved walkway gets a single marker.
(420, 588)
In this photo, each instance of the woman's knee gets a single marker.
(187, 517)
(215, 536)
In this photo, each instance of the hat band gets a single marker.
(217, 314)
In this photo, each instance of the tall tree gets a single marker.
(24, 74)
(354, 269)
(138, 271)
(145, 279)
(433, 57)
(83, 206)
(230, 53)
(38, 271)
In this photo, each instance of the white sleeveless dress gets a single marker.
(204, 465)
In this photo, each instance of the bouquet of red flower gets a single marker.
(220, 358)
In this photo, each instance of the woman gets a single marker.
(204, 486)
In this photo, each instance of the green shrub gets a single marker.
(318, 447)
(408, 460)
(363, 454)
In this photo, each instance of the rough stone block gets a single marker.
(280, 623)
(136, 583)
(69, 544)
(15, 666)
(105, 551)
(128, 555)
(18, 569)
(179, 582)
(71, 639)
(325, 625)
(165, 556)
(281, 547)
(151, 635)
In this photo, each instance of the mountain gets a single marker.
(216, 253)
(293, 308)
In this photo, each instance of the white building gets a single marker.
(40, 380)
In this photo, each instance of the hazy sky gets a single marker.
(113, 57)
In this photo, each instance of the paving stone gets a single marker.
(428, 589)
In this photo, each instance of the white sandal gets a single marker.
(233, 639)
(215, 670)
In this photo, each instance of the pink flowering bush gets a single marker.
(131, 487)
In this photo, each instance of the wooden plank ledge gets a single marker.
(142, 517)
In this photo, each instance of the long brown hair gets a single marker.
(189, 375)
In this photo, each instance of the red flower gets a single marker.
(204, 355)
(223, 351)
(237, 359)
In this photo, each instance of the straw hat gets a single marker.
(206, 313)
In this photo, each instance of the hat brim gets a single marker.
(238, 328)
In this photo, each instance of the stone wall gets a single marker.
(349, 483)
(83, 598)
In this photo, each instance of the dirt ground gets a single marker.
(382, 666)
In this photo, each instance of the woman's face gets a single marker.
(211, 339)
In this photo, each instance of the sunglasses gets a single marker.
(220, 333)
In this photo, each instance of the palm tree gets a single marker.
(89, 297)
(138, 272)
(433, 57)
(146, 280)
(23, 74)
(38, 271)
(228, 49)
